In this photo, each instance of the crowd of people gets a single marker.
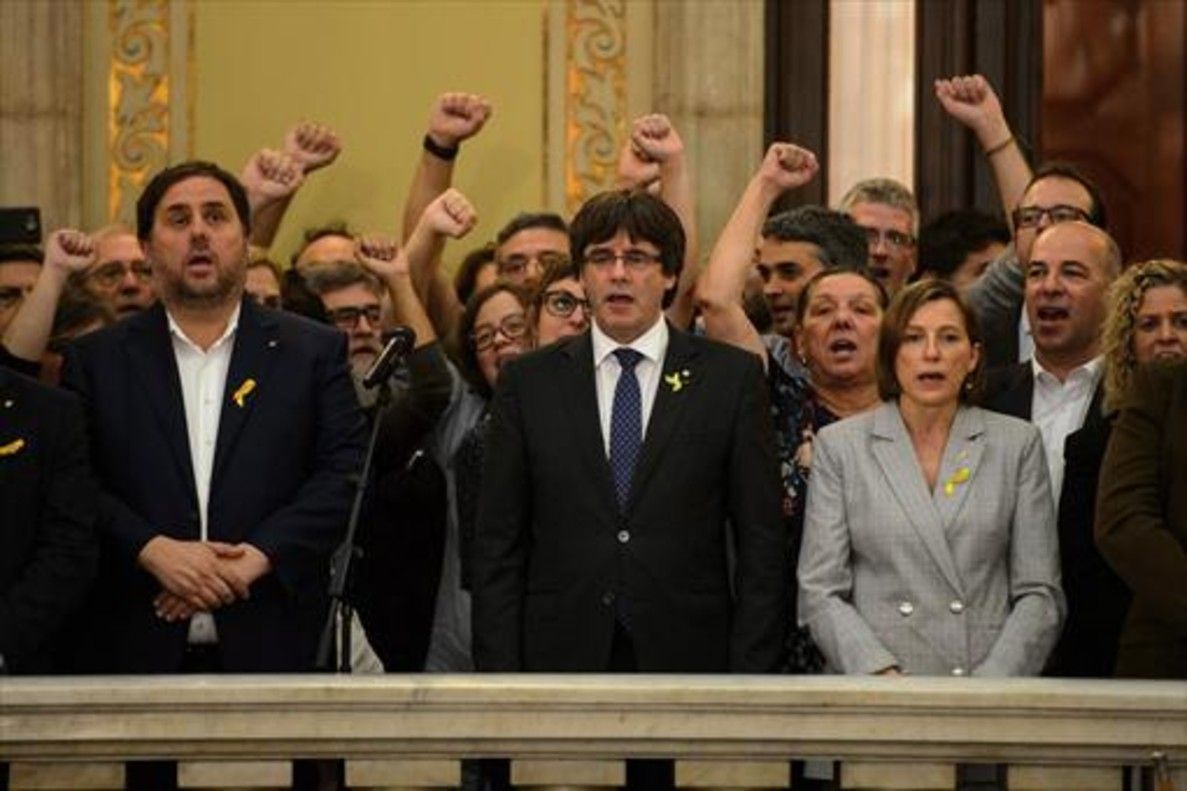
(846, 441)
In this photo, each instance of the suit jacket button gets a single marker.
(956, 606)
(608, 598)
(624, 536)
(958, 671)
(906, 608)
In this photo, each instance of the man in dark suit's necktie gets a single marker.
(626, 424)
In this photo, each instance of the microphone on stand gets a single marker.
(402, 341)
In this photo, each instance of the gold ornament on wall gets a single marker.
(596, 96)
(138, 100)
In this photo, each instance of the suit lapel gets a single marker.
(666, 412)
(1017, 397)
(582, 397)
(256, 347)
(961, 459)
(895, 455)
(154, 369)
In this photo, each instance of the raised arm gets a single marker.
(382, 257)
(449, 215)
(27, 335)
(307, 147)
(719, 293)
(455, 118)
(972, 101)
(271, 179)
(655, 151)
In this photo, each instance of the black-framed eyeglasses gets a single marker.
(1031, 216)
(12, 295)
(516, 264)
(347, 318)
(511, 327)
(894, 239)
(111, 274)
(561, 303)
(634, 259)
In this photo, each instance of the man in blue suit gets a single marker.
(224, 439)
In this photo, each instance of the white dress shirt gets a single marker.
(653, 345)
(203, 376)
(1026, 340)
(1058, 409)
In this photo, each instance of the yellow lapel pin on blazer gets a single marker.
(677, 380)
(12, 448)
(961, 475)
(243, 391)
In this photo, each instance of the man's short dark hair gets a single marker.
(1097, 214)
(467, 272)
(22, 253)
(525, 220)
(325, 278)
(146, 205)
(947, 240)
(311, 235)
(839, 239)
(643, 217)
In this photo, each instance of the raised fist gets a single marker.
(634, 170)
(450, 214)
(380, 255)
(312, 145)
(271, 175)
(971, 100)
(787, 166)
(654, 139)
(70, 251)
(456, 117)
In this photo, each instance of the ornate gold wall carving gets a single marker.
(138, 93)
(596, 95)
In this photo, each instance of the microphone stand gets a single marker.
(347, 552)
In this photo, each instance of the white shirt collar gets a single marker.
(652, 344)
(177, 332)
(1089, 372)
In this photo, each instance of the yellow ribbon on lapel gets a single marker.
(240, 395)
(12, 448)
(960, 476)
(677, 380)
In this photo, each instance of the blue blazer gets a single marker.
(960, 580)
(282, 481)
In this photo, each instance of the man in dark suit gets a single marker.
(48, 549)
(224, 438)
(1070, 268)
(615, 462)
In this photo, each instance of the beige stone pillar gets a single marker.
(41, 108)
(708, 67)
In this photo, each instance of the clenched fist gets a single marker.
(971, 100)
(450, 214)
(787, 166)
(312, 145)
(270, 175)
(654, 138)
(456, 117)
(69, 251)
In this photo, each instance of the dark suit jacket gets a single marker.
(48, 548)
(1097, 599)
(1141, 522)
(282, 481)
(554, 557)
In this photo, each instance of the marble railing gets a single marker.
(401, 731)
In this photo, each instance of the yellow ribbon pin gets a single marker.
(243, 392)
(12, 448)
(958, 477)
(677, 380)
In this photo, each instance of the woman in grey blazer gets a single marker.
(929, 542)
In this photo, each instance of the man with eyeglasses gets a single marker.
(120, 276)
(530, 245)
(889, 215)
(351, 296)
(620, 466)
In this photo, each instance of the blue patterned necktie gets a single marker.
(626, 423)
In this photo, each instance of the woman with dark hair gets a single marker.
(559, 308)
(929, 538)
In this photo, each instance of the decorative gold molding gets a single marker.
(596, 95)
(138, 94)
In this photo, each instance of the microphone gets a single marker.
(403, 339)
